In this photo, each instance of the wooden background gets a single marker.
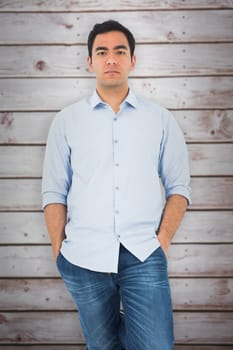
(185, 62)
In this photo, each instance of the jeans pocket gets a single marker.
(59, 261)
(163, 254)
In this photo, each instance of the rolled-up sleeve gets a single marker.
(56, 178)
(174, 161)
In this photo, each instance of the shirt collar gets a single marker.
(130, 99)
(95, 100)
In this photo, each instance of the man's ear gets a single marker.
(89, 64)
(133, 62)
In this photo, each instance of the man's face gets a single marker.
(111, 60)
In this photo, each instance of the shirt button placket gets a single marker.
(116, 173)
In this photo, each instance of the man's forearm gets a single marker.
(55, 217)
(173, 214)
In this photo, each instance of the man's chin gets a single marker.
(112, 83)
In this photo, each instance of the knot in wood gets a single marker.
(40, 65)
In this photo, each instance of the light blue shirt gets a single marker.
(106, 167)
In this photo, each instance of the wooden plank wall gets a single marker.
(185, 62)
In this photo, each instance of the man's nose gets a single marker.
(111, 60)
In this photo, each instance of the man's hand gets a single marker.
(173, 213)
(164, 243)
(55, 217)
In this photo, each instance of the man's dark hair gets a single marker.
(110, 26)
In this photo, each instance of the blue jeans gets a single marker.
(144, 291)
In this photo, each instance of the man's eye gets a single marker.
(101, 53)
(121, 53)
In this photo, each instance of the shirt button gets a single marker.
(117, 211)
(117, 188)
(115, 119)
(115, 141)
(117, 164)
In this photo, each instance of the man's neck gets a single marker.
(113, 96)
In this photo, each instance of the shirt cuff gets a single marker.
(53, 198)
(181, 190)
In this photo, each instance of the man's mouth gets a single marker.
(111, 72)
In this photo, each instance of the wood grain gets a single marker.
(60, 347)
(39, 327)
(20, 195)
(207, 193)
(212, 193)
(24, 161)
(206, 126)
(205, 227)
(152, 60)
(205, 160)
(211, 160)
(185, 260)
(116, 5)
(184, 62)
(83, 347)
(23, 228)
(158, 26)
(200, 260)
(197, 294)
(204, 328)
(197, 227)
(201, 294)
(197, 125)
(175, 93)
(15, 126)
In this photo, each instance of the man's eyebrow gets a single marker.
(104, 48)
(98, 48)
(118, 47)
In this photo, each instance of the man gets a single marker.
(109, 227)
